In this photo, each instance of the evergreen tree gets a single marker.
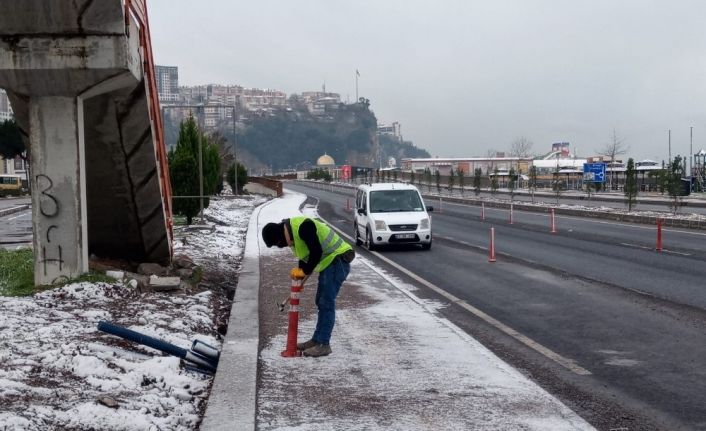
(512, 182)
(494, 182)
(672, 181)
(461, 180)
(411, 177)
(427, 178)
(394, 175)
(242, 177)
(630, 184)
(557, 184)
(532, 184)
(437, 180)
(452, 180)
(477, 174)
(184, 169)
(11, 143)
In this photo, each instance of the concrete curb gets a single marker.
(13, 210)
(232, 404)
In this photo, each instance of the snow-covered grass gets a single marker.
(57, 370)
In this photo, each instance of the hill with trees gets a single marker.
(293, 138)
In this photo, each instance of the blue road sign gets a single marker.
(594, 172)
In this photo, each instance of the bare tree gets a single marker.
(521, 147)
(615, 147)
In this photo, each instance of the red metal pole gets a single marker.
(659, 235)
(491, 256)
(291, 350)
(553, 222)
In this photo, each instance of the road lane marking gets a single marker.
(664, 250)
(567, 363)
(18, 216)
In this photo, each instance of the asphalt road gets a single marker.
(595, 296)
(16, 228)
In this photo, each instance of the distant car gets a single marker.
(391, 213)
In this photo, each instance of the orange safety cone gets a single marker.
(659, 235)
(291, 349)
(491, 255)
(553, 222)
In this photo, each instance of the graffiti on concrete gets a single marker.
(49, 207)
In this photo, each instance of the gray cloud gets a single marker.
(465, 76)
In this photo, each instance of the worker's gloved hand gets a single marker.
(297, 274)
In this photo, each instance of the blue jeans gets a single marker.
(330, 280)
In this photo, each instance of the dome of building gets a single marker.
(325, 160)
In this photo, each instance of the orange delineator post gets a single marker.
(659, 235)
(291, 350)
(511, 214)
(491, 255)
(553, 222)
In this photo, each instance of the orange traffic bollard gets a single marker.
(491, 255)
(553, 222)
(291, 350)
(511, 214)
(659, 235)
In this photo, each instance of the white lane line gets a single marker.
(636, 246)
(664, 250)
(567, 363)
(17, 216)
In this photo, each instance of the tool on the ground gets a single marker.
(202, 356)
(284, 302)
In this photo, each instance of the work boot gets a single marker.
(318, 350)
(305, 345)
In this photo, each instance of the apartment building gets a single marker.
(167, 83)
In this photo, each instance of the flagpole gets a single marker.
(356, 85)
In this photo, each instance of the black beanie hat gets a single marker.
(273, 234)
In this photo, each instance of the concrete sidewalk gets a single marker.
(396, 362)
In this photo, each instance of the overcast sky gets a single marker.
(465, 76)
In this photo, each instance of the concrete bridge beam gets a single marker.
(73, 72)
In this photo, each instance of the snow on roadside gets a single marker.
(55, 365)
(397, 364)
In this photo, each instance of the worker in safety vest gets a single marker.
(319, 249)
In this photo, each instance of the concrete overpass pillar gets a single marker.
(59, 188)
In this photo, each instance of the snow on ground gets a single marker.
(396, 365)
(55, 364)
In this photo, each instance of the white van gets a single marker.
(391, 213)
